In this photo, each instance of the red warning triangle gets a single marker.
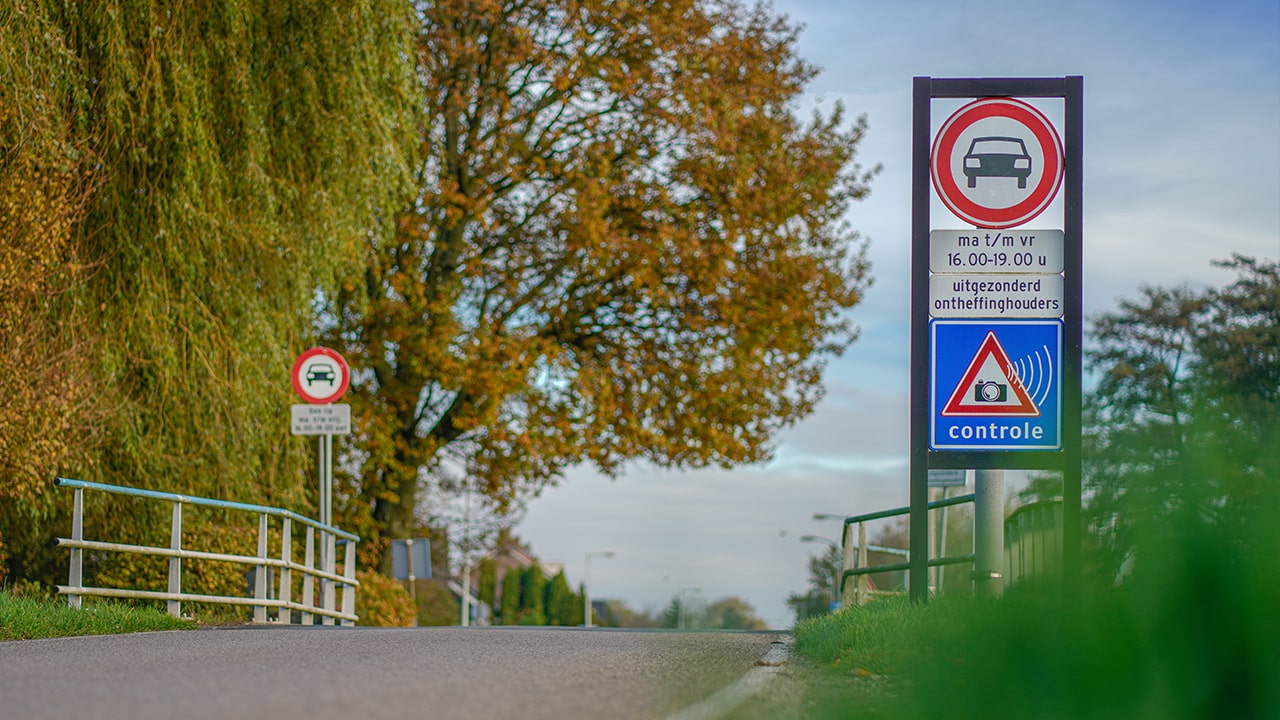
(990, 387)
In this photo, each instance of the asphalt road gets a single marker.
(371, 673)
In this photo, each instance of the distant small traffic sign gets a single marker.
(948, 478)
(321, 376)
(996, 385)
(997, 162)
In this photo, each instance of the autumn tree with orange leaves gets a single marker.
(626, 245)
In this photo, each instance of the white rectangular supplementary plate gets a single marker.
(332, 419)
(996, 251)
(996, 296)
(947, 478)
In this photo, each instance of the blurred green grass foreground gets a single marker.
(1193, 631)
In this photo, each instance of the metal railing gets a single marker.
(330, 582)
(1033, 540)
(855, 555)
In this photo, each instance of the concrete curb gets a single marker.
(754, 681)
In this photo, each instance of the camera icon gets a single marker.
(990, 392)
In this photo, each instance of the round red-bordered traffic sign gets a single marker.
(320, 376)
(997, 162)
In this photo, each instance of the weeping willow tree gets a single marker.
(46, 176)
(241, 150)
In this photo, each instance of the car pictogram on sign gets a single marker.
(997, 157)
(321, 373)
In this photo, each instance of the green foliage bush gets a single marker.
(510, 606)
(436, 605)
(559, 602)
(383, 601)
(532, 597)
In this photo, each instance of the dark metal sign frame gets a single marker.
(1066, 460)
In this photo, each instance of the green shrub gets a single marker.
(383, 602)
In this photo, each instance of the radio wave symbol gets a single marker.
(1035, 372)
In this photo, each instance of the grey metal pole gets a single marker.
(860, 591)
(942, 540)
(328, 480)
(465, 620)
(413, 579)
(988, 532)
(933, 545)
(586, 594)
(586, 586)
(326, 519)
(76, 577)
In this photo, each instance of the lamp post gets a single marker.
(465, 620)
(682, 618)
(835, 547)
(586, 586)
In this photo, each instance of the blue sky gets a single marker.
(1182, 166)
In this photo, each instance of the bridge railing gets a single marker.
(855, 551)
(1033, 541)
(324, 538)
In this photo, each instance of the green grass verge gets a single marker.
(27, 619)
(1194, 633)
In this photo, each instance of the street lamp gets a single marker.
(816, 538)
(586, 586)
(827, 516)
(835, 547)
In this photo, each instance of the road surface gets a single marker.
(371, 673)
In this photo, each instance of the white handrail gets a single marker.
(330, 581)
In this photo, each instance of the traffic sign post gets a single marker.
(321, 376)
(996, 320)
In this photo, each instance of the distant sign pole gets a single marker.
(996, 318)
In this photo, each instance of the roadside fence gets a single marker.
(1032, 546)
(324, 538)
(1033, 540)
(855, 552)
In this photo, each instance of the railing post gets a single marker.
(260, 572)
(849, 562)
(860, 589)
(175, 562)
(308, 580)
(349, 590)
(286, 573)
(75, 577)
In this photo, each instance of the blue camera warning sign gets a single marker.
(995, 386)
